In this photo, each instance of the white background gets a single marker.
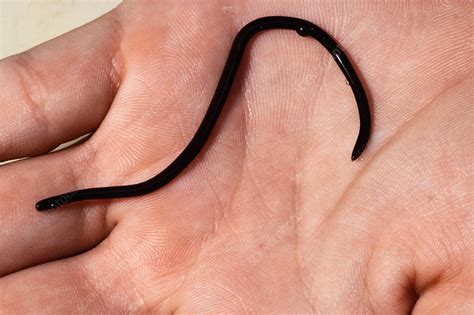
(27, 23)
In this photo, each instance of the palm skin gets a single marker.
(273, 217)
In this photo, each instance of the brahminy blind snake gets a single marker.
(303, 28)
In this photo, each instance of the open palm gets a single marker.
(273, 216)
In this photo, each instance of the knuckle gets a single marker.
(32, 90)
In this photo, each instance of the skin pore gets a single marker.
(274, 217)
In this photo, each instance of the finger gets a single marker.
(30, 237)
(60, 287)
(95, 281)
(60, 90)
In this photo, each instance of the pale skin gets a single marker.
(273, 217)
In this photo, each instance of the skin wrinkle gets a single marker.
(318, 92)
(259, 193)
(454, 263)
(297, 205)
(217, 216)
(213, 141)
(390, 139)
(464, 229)
(181, 129)
(365, 277)
(391, 52)
(116, 66)
(249, 153)
(325, 69)
(107, 225)
(307, 290)
(237, 185)
(193, 260)
(242, 166)
(87, 157)
(370, 277)
(130, 274)
(354, 294)
(214, 193)
(71, 178)
(312, 108)
(96, 294)
(185, 271)
(421, 289)
(405, 28)
(299, 268)
(165, 299)
(455, 260)
(224, 209)
(295, 202)
(116, 73)
(8, 135)
(419, 258)
(34, 93)
(243, 310)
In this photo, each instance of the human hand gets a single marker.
(273, 216)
